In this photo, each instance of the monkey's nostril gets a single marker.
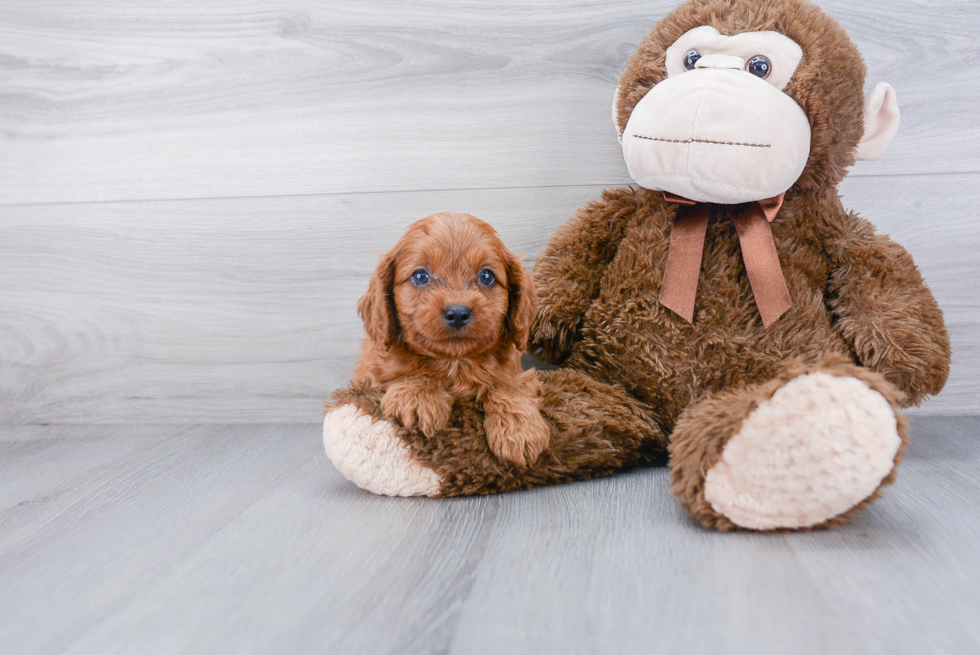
(457, 316)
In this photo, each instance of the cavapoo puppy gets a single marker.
(447, 314)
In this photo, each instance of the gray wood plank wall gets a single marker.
(192, 195)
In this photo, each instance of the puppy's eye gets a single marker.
(760, 66)
(691, 58)
(420, 278)
(486, 277)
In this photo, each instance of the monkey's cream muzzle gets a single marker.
(717, 135)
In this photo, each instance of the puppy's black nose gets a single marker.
(457, 315)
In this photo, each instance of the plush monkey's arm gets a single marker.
(884, 309)
(568, 272)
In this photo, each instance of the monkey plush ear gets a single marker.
(881, 118)
(377, 307)
(615, 115)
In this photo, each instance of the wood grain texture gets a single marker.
(245, 539)
(242, 310)
(219, 310)
(79, 547)
(113, 100)
(192, 195)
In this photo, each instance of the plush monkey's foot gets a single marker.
(586, 429)
(808, 450)
(371, 455)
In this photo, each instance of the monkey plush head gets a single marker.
(731, 101)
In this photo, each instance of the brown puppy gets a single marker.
(447, 315)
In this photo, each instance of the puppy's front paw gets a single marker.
(537, 438)
(418, 406)
(519, 437)
(433, 413)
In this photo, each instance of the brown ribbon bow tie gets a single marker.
(680, 285)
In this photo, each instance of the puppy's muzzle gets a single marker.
(457, 316)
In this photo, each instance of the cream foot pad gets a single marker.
(817, 448)
(371, 455)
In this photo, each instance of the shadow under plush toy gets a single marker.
(729, 316)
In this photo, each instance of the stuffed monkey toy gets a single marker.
(728, 316)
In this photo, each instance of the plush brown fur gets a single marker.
(424, 364)
(596, 430)
(860, 306)
(854, 292)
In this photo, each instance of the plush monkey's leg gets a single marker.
(809, 449)
(596, 429)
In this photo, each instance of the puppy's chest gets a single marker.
(463, 378)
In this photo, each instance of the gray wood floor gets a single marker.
(244, 539)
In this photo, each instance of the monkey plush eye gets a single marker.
(486, 277)
(691, 58)
(760, 66)
(420, 278)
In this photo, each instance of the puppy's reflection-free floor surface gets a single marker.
(244, 539)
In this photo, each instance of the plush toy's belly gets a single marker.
(629, 338)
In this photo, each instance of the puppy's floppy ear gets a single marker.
(377, 307)
(522, 303)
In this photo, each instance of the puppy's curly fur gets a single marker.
(423, 362)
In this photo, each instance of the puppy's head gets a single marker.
(449, 288)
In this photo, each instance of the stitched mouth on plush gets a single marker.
(696, 140)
